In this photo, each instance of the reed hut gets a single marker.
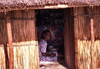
(18, 38)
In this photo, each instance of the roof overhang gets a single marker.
(59, 6)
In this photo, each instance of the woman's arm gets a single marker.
(46, 55)
(43, 49)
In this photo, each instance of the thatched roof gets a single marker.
(35, 3)
(7, 3)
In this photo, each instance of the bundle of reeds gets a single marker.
(83, 36)
(23, 30)
(84, 57)
(3, 29)
(24, 40)
(83, 23)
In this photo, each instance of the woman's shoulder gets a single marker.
(42, 40)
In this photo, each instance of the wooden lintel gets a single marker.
(42, 7)
(9, 32)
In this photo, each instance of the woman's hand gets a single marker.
(49, 51)
(53, 55)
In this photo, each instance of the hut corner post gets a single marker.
(9, 32)
(92, 38)
(6, 56)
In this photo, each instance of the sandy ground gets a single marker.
(54, 66)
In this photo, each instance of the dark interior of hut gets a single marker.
(52, 19)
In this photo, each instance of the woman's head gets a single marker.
(46, 34)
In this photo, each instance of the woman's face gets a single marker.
(47, 36)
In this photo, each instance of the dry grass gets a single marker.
(84, 57)
(83, 43)
(24, 40)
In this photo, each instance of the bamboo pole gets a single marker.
(92, 45)
(76, 37)
(90, 11)
(6, 56)
(11, 53)
(36, 39)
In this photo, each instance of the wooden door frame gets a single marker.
(69, 38)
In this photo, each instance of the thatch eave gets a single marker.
(41, 4)
(15, 3)
(24, 7)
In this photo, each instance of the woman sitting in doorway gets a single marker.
(46, 57)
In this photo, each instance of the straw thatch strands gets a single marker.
(10, 5)
(25, 45)
(82, 40)
(21, 3)
(25, 55)
(84, 56)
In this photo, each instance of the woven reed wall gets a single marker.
(24, 40)
(82, 38)
(3, 29)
